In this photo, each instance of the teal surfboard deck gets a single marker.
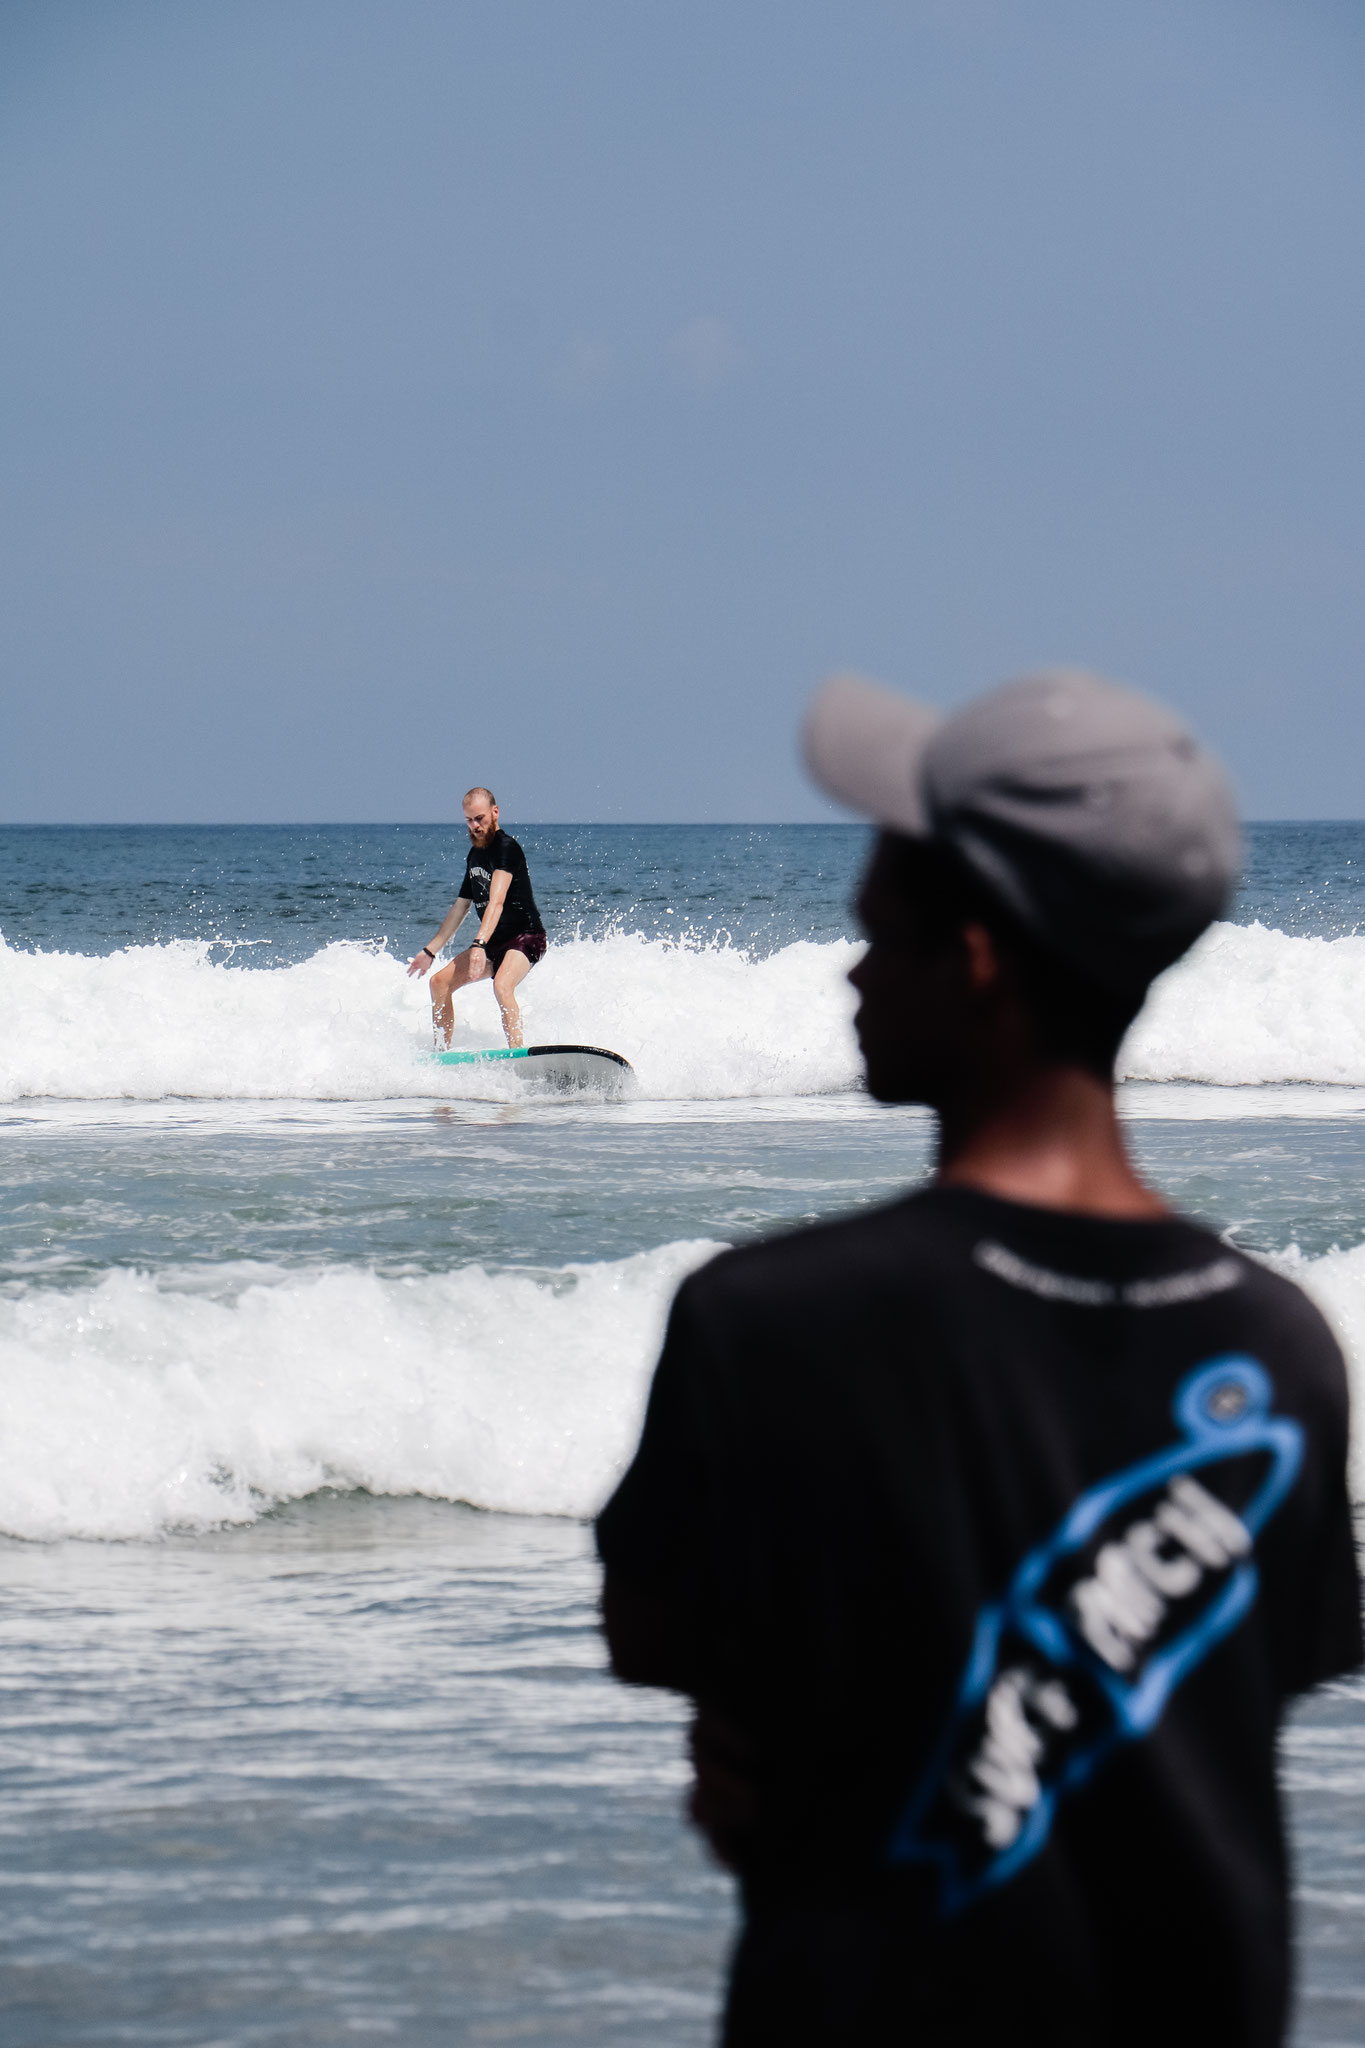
(469, 1059)
(555, 1066)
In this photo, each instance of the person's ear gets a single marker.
(983, 958)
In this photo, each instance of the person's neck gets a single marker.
(1052, 1140)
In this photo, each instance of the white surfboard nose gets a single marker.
(565, 1069)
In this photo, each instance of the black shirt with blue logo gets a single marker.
(519, 913)
(1002, 1537)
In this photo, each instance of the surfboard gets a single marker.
(565, 1068)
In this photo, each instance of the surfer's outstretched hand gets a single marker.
(419, 964)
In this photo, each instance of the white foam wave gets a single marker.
(158, 1021)
(1248, 1005)
(698, 1023)
(139, 1404)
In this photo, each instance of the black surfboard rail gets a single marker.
(599, 1052)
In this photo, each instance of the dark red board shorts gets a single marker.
(532, 944)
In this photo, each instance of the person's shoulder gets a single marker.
(506, 845)
(1243, 1305)
(1281, 1307)
(897, 1244)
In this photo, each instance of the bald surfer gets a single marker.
(510, 938)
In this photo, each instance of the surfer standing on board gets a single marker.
(511, 937)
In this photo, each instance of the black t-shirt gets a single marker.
(519, 913)
(1005, 1535)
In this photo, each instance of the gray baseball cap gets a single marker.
(1091, 812)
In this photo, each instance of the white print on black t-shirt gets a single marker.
(1102, 1622)
(1169, 1291)
(1161, 1558)
(1118, 1609)
(1000, 1784)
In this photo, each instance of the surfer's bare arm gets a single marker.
(450, 924)
(497, 896)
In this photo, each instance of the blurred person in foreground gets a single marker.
(991, 1531)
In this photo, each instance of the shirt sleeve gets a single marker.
(651, 1535)
(1316, 1580)
(1330, 1642)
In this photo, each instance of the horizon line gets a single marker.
(447, 824)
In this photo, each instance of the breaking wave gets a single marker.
(191, 1400)
(143, 1403)
(697, 1022)
(1249, 1005)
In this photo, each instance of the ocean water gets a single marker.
(314, 1359)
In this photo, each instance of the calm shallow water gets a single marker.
(354, 1771)
(353, 1768)
(357, 1772)
(429, 1188)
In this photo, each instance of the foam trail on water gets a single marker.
(136, 1405)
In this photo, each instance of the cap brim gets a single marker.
(865, 746)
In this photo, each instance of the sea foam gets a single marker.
(1252, 1005)
(189, 1400)
(697, 1022)
(137, 1404)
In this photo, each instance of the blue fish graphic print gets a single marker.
(1147, 1572)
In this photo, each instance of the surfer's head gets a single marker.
(481, 814)
(1059, 841)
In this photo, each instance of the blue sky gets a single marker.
(397, 394)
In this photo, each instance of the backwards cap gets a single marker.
(1090, 812)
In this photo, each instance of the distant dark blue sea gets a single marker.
(96, 888)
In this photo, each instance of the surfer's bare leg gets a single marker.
(444, 984)
(514, 969)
